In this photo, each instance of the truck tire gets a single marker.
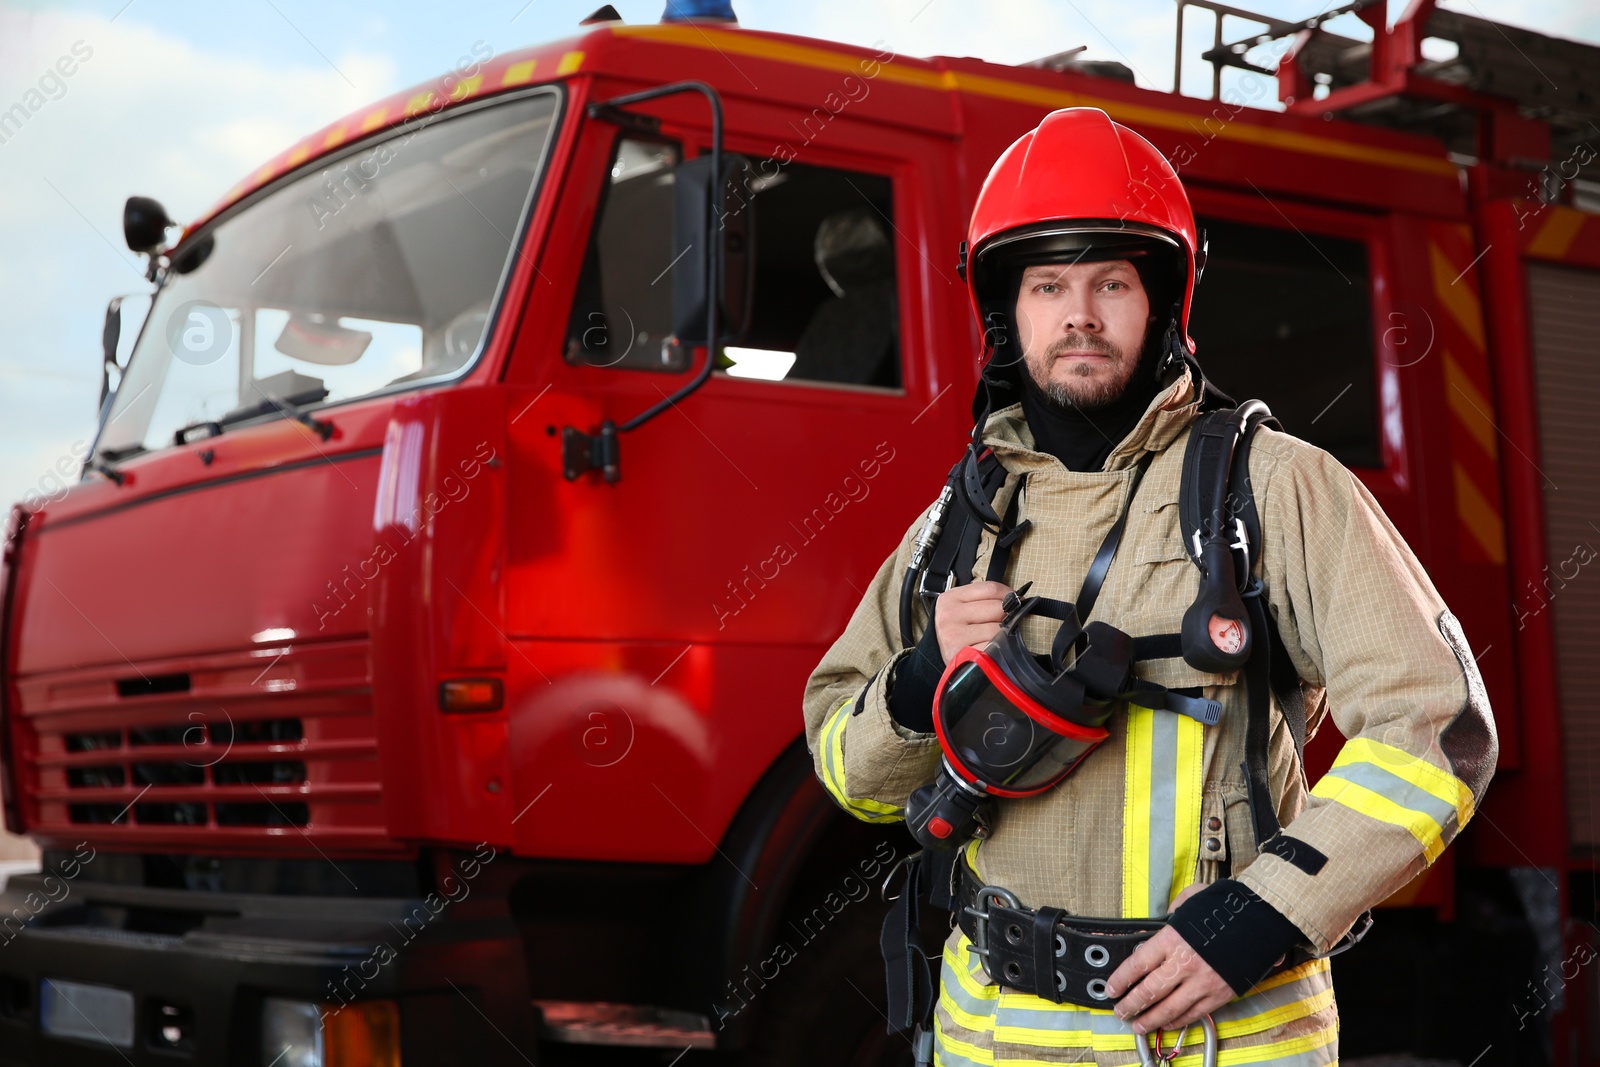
(827, 1003)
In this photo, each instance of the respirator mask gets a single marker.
(1012, 723)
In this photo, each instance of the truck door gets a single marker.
(666, 623)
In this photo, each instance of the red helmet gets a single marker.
(1079, 186)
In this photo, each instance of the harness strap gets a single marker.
(956, 550)
(1258, 727)
(911, 992)
(910, 985)
(1158, 646)
(1283, 678)
(1096, 576)
(1285, 681)
(1010, 533)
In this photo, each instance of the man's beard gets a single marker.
(1088, 392)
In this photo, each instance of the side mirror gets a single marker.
(144, 224)
(694, 226)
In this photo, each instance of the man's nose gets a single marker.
(1078, 313)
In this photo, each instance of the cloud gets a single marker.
(142, 112)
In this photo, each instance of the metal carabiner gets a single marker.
(1208, 1056)
(883, 890)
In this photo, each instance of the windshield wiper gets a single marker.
(98, 464)
(212, 427)
(268, 405)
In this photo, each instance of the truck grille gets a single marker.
(231, 750)
(212, 751)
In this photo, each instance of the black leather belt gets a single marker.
(1060, 957)
(1044, 951)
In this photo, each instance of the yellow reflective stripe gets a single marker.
(1136, 815)
(1411, 768)
(1271, 1050)
(833, 772)
(1276, 1016)
(972, 853)
(965, 972)
(961, 1048)
(1161, 809)
(1293, 974)
(1186, 810)
(1104, 1033)
(833, 756)
(977, 1023)
(1377, 806)
(1097, 1028)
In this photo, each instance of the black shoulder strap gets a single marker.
(1006, 537)
(1096, 576)
(1214, 489)
(956, 549)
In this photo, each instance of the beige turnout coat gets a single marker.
(1163, 803)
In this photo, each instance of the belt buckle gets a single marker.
(1006, 897)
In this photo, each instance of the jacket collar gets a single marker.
(1008, 434)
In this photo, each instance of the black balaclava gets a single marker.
(1083, 440)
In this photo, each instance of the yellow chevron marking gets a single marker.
(518, 73)
(1469, 406)
(1458, 297)
(569, 63)
(1557, 233)
(1480, 517)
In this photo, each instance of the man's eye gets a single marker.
(1048, 287)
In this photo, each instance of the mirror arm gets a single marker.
(583, 452)
(110, 337)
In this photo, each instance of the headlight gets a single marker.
(291, 1033)
(299, 1033)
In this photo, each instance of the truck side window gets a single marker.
(1287, 318)
(823, 300)
(622, 316)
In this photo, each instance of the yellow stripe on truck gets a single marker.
(728, 43)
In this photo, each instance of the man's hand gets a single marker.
(1168, 985)
(968, 615)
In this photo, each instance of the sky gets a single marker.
(178, 99)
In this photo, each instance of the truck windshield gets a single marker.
(379, 270)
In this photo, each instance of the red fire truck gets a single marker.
(413, 676)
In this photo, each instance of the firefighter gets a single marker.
(1081, 263)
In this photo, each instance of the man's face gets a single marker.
(1082, 329)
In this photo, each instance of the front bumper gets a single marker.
(455, 969)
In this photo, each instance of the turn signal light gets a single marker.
(363, 1034)
(471, 694)
(301, 1033)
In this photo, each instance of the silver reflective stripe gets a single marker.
(1161, 809)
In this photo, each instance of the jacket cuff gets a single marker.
(1240, 935)
(915, 680)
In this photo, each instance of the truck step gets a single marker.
(572, 1022)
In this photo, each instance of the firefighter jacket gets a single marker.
(1162, 804)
